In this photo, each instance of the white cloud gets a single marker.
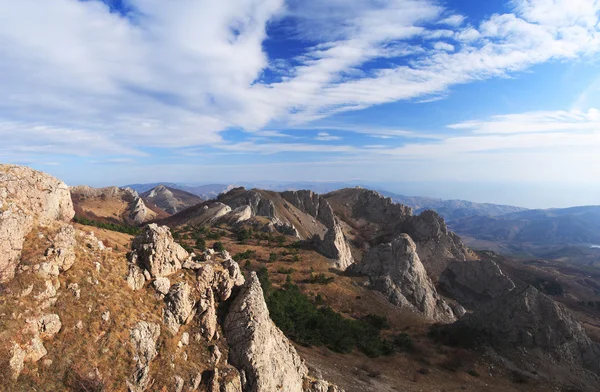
(77, 79)
(324, 136)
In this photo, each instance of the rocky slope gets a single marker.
(28, 198)
(170, 200)
(396, 270)
(112, 205)
(375, 219)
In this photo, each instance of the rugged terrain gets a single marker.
(262, 291)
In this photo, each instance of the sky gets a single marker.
(494, 100)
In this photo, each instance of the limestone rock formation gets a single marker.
(258, 347)
(61, 255)
(333, 244)
(143, 338)
(475, 281)
(180, 306)
(396, 270)
(170, 200)
(155, 251)
(162, 285)
(436, 244)
(27, 198)
(528, 319)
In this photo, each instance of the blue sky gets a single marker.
(482, 100)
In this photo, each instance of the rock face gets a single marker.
(436, 244)
(61, 255)
(155, 251)
(27, 198)
(396, 270)
(258, 347)
(475, 281)
(180, 305)
(333, 244)
(528, 319)
(143, 338)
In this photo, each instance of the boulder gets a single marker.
(62, 252)
(258, 347)
(396, 270)
(155, 251)
(27, 198)
(135, 276)
(162, 285)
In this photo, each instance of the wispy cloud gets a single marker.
(325, 136)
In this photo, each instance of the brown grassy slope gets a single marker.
(100, 349)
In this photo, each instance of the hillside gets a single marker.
(568, 231)
(170, 200)
(260, 291)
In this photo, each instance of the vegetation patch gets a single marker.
(311, 325)
(121, 228)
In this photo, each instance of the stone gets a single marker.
(27, 198)
(135, 277)
(258, 347)
(46, 325)
(162, 285)
(396, 270)
(215, 355)
(179, 307)
(106, 316)
(179, 383)
(208, 315)
(17, 361)
(143, 338)
(74, 288)
(62, 252)
(185, 339)
(79, 325)
(157, 252)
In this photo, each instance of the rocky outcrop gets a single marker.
(180, 306)
(37, 328)
(475, 281)
(260, 351)
(333, 244)
(143, 339)
(257, 347)
(27, 198)
(396, 270)
(239, 215)
(436, 244)
(155, 251)
(61, 255)
(528, 320)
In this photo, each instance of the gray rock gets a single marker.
(474, 281)
(135, 277)
(157, 252)
(162, 285)
(27, 198)
(396, 270)
(143, 338)
(258, 347)
(179, 307)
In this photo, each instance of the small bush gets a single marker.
(285, 271)
(379, 322)
(403, 342)
(473, 373)
(218, 246)
(320, 278)
(273, 257)
(243, 235)
(201, 244)
(244, 255)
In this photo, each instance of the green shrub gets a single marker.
(213, 235)
(273, 257)
(379, 322)
(307, 324)
(244, 255)
(403, 342)
(285, 271)
(473, 373)
(243, 235)
(218, 246)
(121, 228)
(201, 244)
